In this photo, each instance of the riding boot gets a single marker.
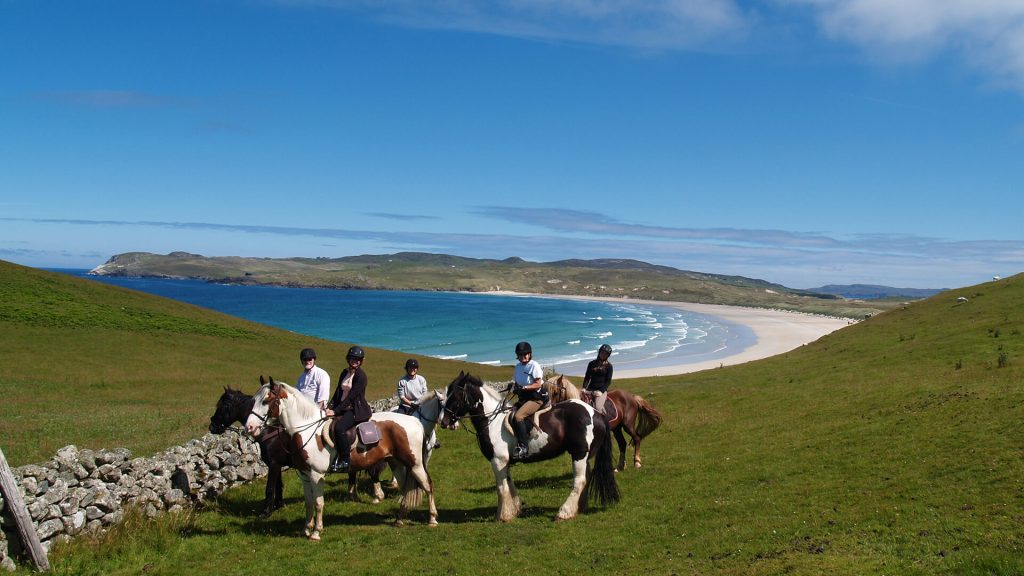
(522, 429)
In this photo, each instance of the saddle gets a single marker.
(534, 420)
(367, 434)
(611, 413)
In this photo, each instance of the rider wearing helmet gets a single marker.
(528, 379)
(411, 388)
(348, 405)
(314, 381)
(599, 376)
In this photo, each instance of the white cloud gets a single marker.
(987, 34)
(646, 24)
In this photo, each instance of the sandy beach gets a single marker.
(777, 331)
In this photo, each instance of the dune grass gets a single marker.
(893, 446)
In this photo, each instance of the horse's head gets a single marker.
(462, 397)
(560, 389)
(233, 406)
(266, 404)
(430, 405)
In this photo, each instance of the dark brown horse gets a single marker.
(632, 413)
(275, 450)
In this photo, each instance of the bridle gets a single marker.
(461, 395)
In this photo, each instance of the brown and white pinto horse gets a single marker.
(235, 406)
(401, 443)
(633, 413)
(569, 427)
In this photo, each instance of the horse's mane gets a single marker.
(475, 381)
(568, 390)
(307, 409)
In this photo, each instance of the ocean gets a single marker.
(482, 328)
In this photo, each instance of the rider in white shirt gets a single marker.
(314, 381)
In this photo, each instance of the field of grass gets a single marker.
(893, 446)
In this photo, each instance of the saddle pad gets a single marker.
(535, 417)
(369, 435)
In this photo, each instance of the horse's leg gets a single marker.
(621, 441)
(353, 486)
(308, 492)
(419, 472)
(318, 502)
(636, 443)
(374, 472)
(508, 506)
(272, 491)
(579, 482)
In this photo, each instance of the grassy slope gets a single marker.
(418, 271)
(889, 447)
(98, 366)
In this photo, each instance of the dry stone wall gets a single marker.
(81, 490)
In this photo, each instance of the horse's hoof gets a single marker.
(398, 523)
(637, 465)
(314, 537)
(375, 501)
(432, 523)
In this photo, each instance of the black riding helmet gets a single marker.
(355, 352)
(523, 348)
(412, 363)
(307, 354)
(605, 349)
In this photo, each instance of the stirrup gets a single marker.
(520, 452)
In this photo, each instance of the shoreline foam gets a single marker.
(777, 331)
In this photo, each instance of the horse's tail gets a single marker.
(412, 494)
(647, 418)
(603, 478)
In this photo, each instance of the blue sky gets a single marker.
(803, 142)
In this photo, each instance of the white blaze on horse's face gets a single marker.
(258, 416)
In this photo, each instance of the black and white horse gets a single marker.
(571, 427)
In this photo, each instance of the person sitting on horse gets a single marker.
(411, 388)
(348, 406)
(528, 379)
(599, 377)
(314, 381)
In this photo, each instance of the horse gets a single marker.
(571, 427)
(400, 443)
(633, 413)
(427, 409)
(235, 406)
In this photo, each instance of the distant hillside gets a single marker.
(422, 271)
(874, 292)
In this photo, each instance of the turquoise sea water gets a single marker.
(482, 328)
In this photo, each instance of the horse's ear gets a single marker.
(462, 373)
(262, 381)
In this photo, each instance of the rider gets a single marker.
(348, 405)
(314, 381)
(528, 379)
(599, 377)
(411, 388)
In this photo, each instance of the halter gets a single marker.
(501, 408)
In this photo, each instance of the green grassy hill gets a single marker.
(420, 271)
(893, 446)
(99, 366)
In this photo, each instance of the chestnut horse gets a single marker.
(235, 406)
(633, 413)
(571, 427)
(400, 443)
